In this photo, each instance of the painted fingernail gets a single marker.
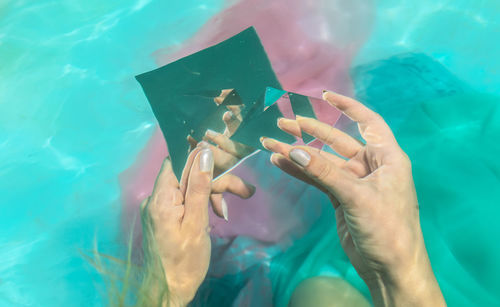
(300, 157)
(325, 92)
(203, 144)
(206, 160)
(252, 189)
(274, 158)
(224, 209)
(228, 115)
(211, 133)
(263, 141)
(283, 121)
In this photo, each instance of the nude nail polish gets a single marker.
(211, 133)
(224, 209)
(299, 156)
(203, 144)
(206, 160)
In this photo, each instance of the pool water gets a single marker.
(73, 118)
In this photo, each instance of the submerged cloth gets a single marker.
(429, 110)
(72, 119)
(450, 132)
(286, 232)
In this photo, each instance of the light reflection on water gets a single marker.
(72, 117)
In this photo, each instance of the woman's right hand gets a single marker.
(374, 196)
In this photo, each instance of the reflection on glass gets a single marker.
(234, 129)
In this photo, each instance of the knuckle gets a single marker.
(313, 129)
(330, 137)
(200, 188)
(324, 171)
(405, 160)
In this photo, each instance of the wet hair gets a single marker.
(130, 282)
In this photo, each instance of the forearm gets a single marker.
(425, 294)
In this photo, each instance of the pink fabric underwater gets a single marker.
(311, 45)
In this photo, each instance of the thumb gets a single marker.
(198, 190)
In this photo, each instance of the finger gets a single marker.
(339, 141)
(224, 142)
(234, 185)
(165, 185)
(236, 110)
(219, 206)
(232, 122)
(198, 190)
(293, 170)
(187, 167)
(192, 142)
(290, 126)
(371, 125)
(323, 171)
(355, 110)
(220, 99)
(283, 148)
(223, 160)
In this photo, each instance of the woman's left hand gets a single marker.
(175, 219)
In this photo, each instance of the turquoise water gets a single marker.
(460, 34)
(72, 118)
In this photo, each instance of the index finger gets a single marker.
(371, 125)
(355, 110)
(166, 183)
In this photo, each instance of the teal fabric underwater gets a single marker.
(451, 134)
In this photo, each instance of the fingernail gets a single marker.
(228, 115)
(206, 160)
(252, 188)
(203, 144)
(273, 158)
(283, 120)
(224, 209)
(263, 142)
(211, 133)
(300, 157)
(330, 101)
(278, 121)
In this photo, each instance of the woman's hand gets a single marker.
(374, 196)
(176, 227)
(226, 154)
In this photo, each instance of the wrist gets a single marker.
(414, 285)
